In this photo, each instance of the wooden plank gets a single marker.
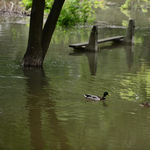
(78, 44)
(115, 39)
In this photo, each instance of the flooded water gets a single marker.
(43, 109)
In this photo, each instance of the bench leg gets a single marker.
(93, 41)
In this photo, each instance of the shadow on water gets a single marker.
(92, 56)
(36, 82)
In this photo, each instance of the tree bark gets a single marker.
(33, 55)
(39, 39)
(51, 24)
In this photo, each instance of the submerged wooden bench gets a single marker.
(82, 45)
(92, 45)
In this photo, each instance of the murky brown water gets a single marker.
(45, 109)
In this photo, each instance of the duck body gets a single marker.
(95, 97)
(145, 104)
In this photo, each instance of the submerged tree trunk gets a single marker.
(34, 54)
(39, 39)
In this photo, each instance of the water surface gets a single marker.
(44, 109)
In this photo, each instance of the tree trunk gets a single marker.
(51, 24)
(39, 39)
(34, 54)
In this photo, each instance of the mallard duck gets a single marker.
(94, 97)
(145, 104)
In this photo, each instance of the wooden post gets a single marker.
(93, 41)
(129, 38)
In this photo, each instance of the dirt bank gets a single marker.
(11, 7)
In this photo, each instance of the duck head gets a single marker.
(105, 94)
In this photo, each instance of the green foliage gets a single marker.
(73, 12)
(126, 4)
(26, 3)
(136, 5)
(48, 5)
